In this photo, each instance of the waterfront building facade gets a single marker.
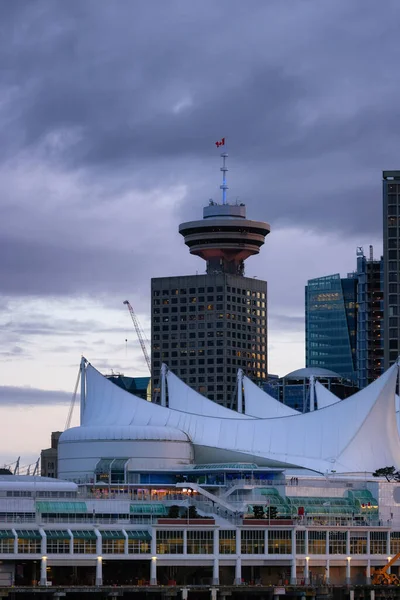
(227, 524)
(331, 324)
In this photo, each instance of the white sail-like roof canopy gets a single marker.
(356, 435)
(184, 398)
(261, 405)
(324, 396)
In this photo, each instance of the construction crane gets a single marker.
(382, 577)
(139, 333)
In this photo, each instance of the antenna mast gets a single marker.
(224, 169)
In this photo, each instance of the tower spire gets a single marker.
(224, 169)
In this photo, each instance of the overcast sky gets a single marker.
(108, 116)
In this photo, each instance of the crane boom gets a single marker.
(139, 334)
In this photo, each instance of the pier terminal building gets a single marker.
(194, 493)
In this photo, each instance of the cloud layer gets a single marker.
(109, 114)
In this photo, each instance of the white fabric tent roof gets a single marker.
(356, 435)
(324, 396)
(261, 405)
(184, 398)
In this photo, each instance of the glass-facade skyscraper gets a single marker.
(331, 324)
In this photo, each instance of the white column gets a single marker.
(307, 571)
(43, 571)
(215, 579)
(43, 542)
(99, 570)
(153, 570)
(266, 540)
(351, 594)
(83, 388)
(213, 593)
(293, 568)
(368, 573)
(238, 567)
(348, 570)
(388, 543)
(163, 385)
(98, 542)
(185, 593)
(99, 560)
(348, 543)
(327, 572)
(240, 391)
(306, 542)
(185, 541)
(15, 541)
(126, 548)
(312, 392)
(71, 541)
(238, 571)
(372, 596)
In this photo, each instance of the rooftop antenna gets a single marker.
(224, 169)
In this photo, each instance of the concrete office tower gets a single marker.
(205, 327)
(391, 249)
(370, 331)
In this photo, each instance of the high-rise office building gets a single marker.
(370, 330)
(391, 258)
(205, 327)
(331, 324)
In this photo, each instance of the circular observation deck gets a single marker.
(224, 233)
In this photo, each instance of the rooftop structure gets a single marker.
(224, 238)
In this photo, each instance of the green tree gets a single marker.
(173, 512)
(389, 473)
(271, 512)
(258, 511)
(193, 514)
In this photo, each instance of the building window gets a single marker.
(358, 542)
(138, 547)
(337, 542)
(199, 542)
(7, 546)
(112, 546)
(28, 546)
(84, 546)
(227, 541)
(378, 542)
(252, 542)
(169, 542)
(300, 542)
(394, 542)
(279, 542)
(57, 546)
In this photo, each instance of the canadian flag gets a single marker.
(221, 142)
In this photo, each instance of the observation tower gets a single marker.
(224, 238)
